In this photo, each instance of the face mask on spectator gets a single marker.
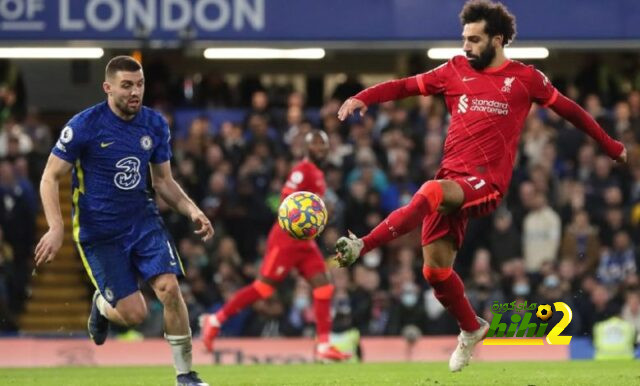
(521, 289)
(551, 281)
(409, 299)
(301, 302)
(372, 259)
(405, 198)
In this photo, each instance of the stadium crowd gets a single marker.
(567, 231)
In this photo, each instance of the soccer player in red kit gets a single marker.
(488, 97)
(284, 252)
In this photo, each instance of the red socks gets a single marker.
(246, 296)
(404, 220)
(449, 290)
(322, 310)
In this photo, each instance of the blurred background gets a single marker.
(567, 231)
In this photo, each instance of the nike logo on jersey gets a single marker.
(466, 79)
(106, 144)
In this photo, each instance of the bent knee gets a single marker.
(452, 196)
(167, 289)
(436, 275)
(264, 289)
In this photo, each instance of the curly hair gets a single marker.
(498, 18)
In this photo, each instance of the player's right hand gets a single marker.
(349, 106)
(205, 229)
(49, 245)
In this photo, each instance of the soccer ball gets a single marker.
(302, 215)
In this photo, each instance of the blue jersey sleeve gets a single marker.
(162, 152)
(72, 141)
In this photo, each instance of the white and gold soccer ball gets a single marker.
(303, 215)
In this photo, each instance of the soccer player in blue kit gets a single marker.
(116, 226)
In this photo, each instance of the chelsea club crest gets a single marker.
(146, 142)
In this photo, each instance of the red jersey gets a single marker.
(488, 109)
(305, 176)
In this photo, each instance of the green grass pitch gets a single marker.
(487, 373)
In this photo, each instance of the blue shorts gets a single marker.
(115, 265)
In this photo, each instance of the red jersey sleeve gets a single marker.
(541, 90)
(434, 81)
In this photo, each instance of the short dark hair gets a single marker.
(499, 21)
(121, 63)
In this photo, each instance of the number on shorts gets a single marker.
(476, 185)
(173, 258)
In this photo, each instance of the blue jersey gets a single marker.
(110, 158)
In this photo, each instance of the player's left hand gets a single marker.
(205, 229)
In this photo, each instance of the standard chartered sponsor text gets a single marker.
(489, 106)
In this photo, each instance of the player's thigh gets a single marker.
(311, 265)
(109, 266)
(440, 253)
(480, 196)
(132, 308)
(319, 279)
(438, 226)
(155, 254)
(277, 263)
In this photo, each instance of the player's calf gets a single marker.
(210, 324)
(429, 198)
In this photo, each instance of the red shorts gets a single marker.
(480, 199)
(284, 252)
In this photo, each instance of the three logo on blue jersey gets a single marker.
(129, 177)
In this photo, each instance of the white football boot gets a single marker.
(466, 343)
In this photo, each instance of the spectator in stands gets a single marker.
(483, 286)
(213, 91)
(580, 244)
(350, 86)
(7, 322)
(300, 318)
(631, 310)
(541, 234)
(18, 207)
(505, 242)
(618, 262)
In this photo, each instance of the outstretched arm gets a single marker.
(172, 193)
(51, 241)
(381, 92)
(575, 114)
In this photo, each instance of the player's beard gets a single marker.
(480, 62)
(126, 110)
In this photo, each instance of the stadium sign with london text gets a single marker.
(301, 20)
(525, 330)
